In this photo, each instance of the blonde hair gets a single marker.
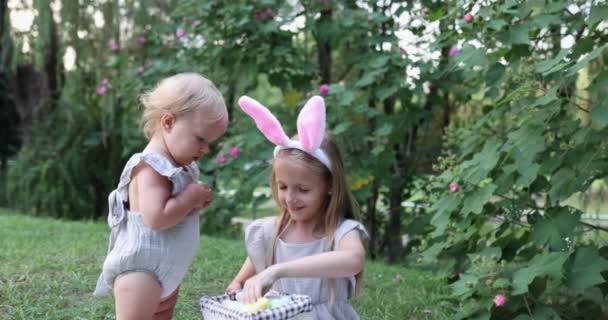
(338, 206)
(181, 94)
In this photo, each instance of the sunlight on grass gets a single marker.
(48, 270)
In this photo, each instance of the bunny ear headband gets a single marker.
(311, 127)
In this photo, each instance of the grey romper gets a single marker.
(258, 238)
(134, 247)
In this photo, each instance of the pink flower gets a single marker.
(468, 18)
(222, 159)
(114, 46)
(308, 94)
(453, 51)
(397, 278)
(234, 152)
(500, 300)
(384, 141)
(453, 187)
(141, 69)
(402, 51)
(324, 89)
(263, 15)
(104, 82)
(370, 18)
(141, 41)
(180, 32)
(101, 90)
(269, 13)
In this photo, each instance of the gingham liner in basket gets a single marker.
(213, 305)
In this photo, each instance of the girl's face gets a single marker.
(188, 136)
(300, 190)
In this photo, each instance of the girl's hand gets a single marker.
(201, 195)
(233, 286)
(256, 286)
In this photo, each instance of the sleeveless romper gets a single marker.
(135, 247)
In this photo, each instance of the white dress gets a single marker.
(258, 238)
(135, 247)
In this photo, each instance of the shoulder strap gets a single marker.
(120, 196)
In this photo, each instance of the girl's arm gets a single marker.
(159, 210)
(347, 260)
(247, 271)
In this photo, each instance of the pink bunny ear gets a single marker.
(311, 124)
(265, 120)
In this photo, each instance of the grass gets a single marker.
(48, 269)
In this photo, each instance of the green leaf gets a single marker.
(585, 61)
(550, 96)
(599, 113)
(598, 13)
(366, 79)
(443, 208)
(497, 24)
(555, 6)
(519, 34)
(437, 14)
(501, 283)
(555, 227)
(471, 56)
(377, 150)
(385, 130)
(545, 312)
(599, 82)
(475, 202)
(582, 46)
(378, 62)
(528, 175)
(342, 127)
(547, 67)
(585, 269)
(386, 92)
(477, 169)
(562, 185)
(545, 20)
(465, 286)
(544, 264)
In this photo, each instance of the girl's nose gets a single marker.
(291, 198)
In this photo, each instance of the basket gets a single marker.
(299, 308)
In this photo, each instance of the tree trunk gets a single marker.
(324, 50)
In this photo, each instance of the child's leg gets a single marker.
(166, 307)
(137, 296)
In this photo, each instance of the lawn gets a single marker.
(48, 269)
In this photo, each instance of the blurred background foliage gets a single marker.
(474, 131)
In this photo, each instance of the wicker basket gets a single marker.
(299, 308)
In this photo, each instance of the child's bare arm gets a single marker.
(159, 210)
(347, 260)
(247, 271)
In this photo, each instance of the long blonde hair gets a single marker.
(338, 206)
(179, 95)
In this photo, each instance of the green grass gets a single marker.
(48, 269)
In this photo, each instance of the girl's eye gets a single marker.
(282, 187)
(304, 190)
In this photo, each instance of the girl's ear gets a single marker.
(167, 121)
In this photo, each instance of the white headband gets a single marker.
(310, 123)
